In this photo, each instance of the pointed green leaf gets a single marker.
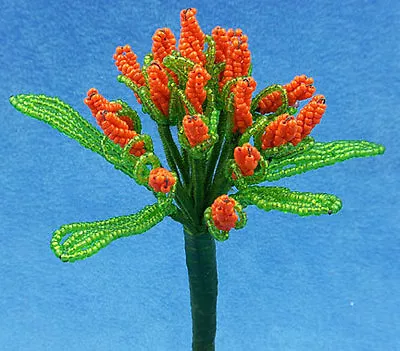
(321, 155)
(68, 121)
(285, 200)
(85, 239)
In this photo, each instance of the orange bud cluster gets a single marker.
(221, 44)
(198, 78)
(125, 60)
(270, 103)
(223, 213)
(118, 128)
(96, 102)
(161, 180)
(247, 157)
(311, 114)
(242, 102)
(281, 131)
(300, 88)
(164, 43)
(158, 86)
(195, 130)
(192, 38)
(236, 52)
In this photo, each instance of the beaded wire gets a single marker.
(226, 138)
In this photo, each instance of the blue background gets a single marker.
(285, 282)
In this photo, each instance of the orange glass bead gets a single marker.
(161, 180)
(158, 86)
(192, 38)
(223, 213)
(198, 78)
(243, 90)
(247, 157)
(310, 115)
(281, 131)
(195, 130)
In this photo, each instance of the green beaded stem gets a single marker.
(87, 238)
(148, 59)
(201, 264)
(210, 53)
(173, 156)
(176, 109)
(285, 200)
(181, 66)
(321, 155)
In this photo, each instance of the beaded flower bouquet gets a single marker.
(227, 139)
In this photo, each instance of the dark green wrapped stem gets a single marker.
(202, 270)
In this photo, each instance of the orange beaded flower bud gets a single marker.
(281, 131)
(164, 43)
(96, 102)
(311, 114)
(161, 180)
(247, 157)
(191, 41)
(195, 130)
(237, 56)
(158, 85)
(198, 78)
(118, 131)
(270, 103)
(242, 102)
(300, 88)
(125, 60)
(221, 44)
(223, 213)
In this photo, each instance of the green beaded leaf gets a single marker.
(287, 149)
(82, 240)
(285, 200)
(321, 155)
(132, 114)
(68, 121)
(60, 116)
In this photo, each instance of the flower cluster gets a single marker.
(184, 86)
(203, 85)
(228, 137)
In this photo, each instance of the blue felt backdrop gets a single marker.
(285, 282)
